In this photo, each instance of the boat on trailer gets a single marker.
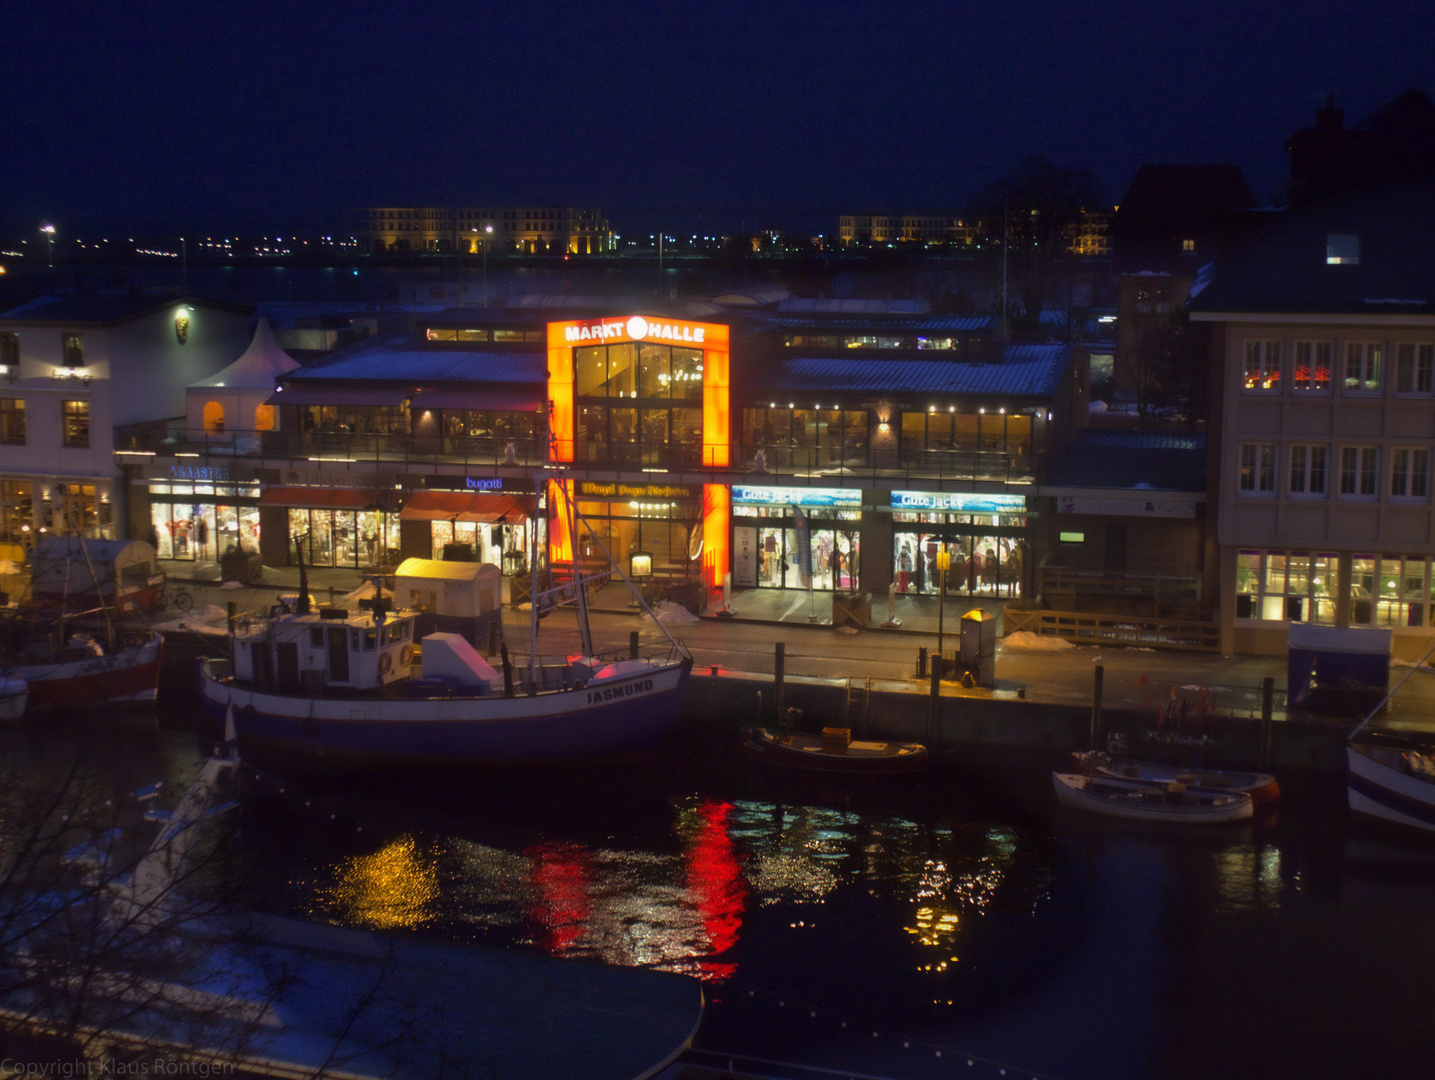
(357, 688)
(1261, 787)
(1137, 800)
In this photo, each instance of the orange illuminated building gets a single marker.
(647, 394)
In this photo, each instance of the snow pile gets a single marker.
(1026, 641)
(670, 614)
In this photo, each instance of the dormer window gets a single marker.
(1342, 249)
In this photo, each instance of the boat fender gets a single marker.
(386, 661)
(406, 655)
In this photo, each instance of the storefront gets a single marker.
(482, 524)
(38, 506)
(984, 536)
(664, 522)
(773, 526)
(357, 528)
(198, 521)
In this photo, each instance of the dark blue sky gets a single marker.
(277, 114)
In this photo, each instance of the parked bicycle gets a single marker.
(175, 595)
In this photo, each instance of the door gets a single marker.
(286, 655)
(338, 654)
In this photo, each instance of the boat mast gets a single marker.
(1390, 693)
(580, 583)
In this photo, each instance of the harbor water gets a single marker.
(919, 927)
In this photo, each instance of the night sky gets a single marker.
(265, 115)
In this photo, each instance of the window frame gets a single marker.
(1312, 365)
(1256, 477)
(70, 435)
(1360, 479)
(1267, 355)
(1368, 362)
(1414, 369)
(1308, 471)
(1410, 474)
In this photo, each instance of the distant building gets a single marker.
(875, 228)
(532, 230)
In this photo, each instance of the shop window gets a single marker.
(1286, 586)
(75, 416)
(213, 417)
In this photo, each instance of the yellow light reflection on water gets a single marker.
(395, 887)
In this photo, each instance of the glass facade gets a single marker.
(805, 438)
(638, 404)
(355, 538)
(986, 553)
(203, 521)
(833, 539)
(503, 545)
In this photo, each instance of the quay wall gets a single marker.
(983, 725)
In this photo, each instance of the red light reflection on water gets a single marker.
(716, 884)
(560, 875)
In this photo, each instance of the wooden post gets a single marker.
(233, 616)
(779, 663)
(633, 645)
(934, 702)
(1096, 708)
(922, 662)
(492, 637)
(1268, 689)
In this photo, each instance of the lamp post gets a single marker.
(49, 231)
(944, 560)
(487, 232)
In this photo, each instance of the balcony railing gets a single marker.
(828, 464)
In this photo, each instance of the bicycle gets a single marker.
(176, 596)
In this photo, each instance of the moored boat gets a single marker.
(80, 671)
(1391, 781)
(1137, 800)
(834, 752)
(1261, 787)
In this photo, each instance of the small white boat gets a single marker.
(14, 692)
(1261, 787)
(1138, 800)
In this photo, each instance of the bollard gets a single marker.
(492, 638)
(633, 645)
(1096, 707)
(922, 662)
(779, 662)
(1268, 690)
(934, 701)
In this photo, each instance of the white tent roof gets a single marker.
(257, 368)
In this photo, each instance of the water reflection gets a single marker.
(396, 887)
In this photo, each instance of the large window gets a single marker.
(1258, 468)
(10, 351)
(1307, 469)
(1389, 591)
(805, 437)
(1312, 366)
(639, 404)
(1414, 368)
(488, 431)
(75, 416)
(1362, 366)
(1359, 469)
(12, 421)
(1263, 365)
(1293, 586)
(72, 350)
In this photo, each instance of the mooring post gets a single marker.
(633, 645)
(934, 702)
(1268, 693)
(922, 662)
(492, 637)
(1096, 707)
(779, 661)
(233, 616)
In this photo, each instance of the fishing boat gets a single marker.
(834, 751)
(1137, 800)
(70, 669)
(358, 688)
(1261, 787)
(13, 695)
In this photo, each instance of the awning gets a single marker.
(466, 506)
(318, 394)
(516, 399)
(318, 498)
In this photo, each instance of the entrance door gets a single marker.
(287, 661)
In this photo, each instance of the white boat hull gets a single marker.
(1380, 785)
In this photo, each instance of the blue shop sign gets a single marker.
(962, 503)
(797, 496)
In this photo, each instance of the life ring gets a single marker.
(406, 655)
(386, 661)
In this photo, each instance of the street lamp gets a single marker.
(49, 231)
(488, 231)
(944, 561)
